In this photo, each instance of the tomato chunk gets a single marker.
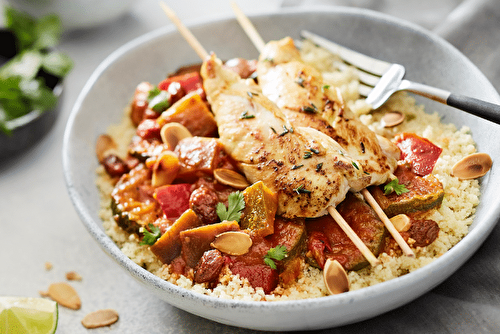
(418, 151)
(173, 199)
(149, 129)
(259, 275)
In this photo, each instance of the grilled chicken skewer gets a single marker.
(246, 121)
(298, 90)
(307, 169)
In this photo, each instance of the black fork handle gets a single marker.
(477, 107)
(480, 108)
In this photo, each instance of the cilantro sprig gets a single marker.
(277, 253)
(150, 236)
(236, 203)
(395, 186)
(22, 89)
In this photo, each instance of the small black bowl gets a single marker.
(30, 128)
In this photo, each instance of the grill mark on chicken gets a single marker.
(268, 155)
(278, 80)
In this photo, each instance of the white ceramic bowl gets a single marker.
(76, 14)
(427, 58)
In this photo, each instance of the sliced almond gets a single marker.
(171, 133)
(231, 178)
(103, 144)
(392, 118)
(73, 276)
(232, 243)
(165, 169)
(472, 166)
(65, 295)
(100, 318)
(401, 222)
(335, 277)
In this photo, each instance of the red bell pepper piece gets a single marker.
(420, 152)
(173, 199)
(189, 82)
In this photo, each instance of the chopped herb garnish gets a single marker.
(150, 236)
(307, 154)
(301, 190)
(366, 172)
(236, 203)
(300, 81)
(273, 129)
(285, 131)
(277, 253)
(325, 87)
(22, 88)
(159, 100)
(355, 165)
(251, 94)
(245, 115)
(315, 151)
(308, 109)
(319, 166)
(296, 166)
(395, 186)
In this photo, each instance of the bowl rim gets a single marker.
(472, 240)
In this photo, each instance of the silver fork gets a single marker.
(380, 79)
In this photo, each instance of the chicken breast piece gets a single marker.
(307, 169)
(298, 89)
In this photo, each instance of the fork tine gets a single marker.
(361, 61)
(364, 90)
(367, 80)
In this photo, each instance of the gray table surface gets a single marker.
(38, 223)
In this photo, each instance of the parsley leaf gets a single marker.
(395, 186)
(22, 88)
(150, 236)
(236, 203)
(57, 64)
(277, 253)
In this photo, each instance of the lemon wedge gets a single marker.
(19, 315)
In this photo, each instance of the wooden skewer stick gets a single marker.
(185, 32)
(253, 34)
(259, 43)
(333, 212)
(353, 236)
(248, 27)
(388, 224)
